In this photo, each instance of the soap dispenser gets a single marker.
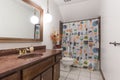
(31, 49)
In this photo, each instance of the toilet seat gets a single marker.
(67, 59)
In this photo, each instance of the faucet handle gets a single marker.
(24, 51)
(27, 50)
(20, 52)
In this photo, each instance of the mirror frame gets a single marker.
(31, 3)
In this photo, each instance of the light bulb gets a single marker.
(47, 18)
(34, 19)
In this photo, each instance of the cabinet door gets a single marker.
(15, 76)
(37, 78)
(32, 71)
(57, 71)
(47, 75)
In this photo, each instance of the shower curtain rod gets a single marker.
(82, 20)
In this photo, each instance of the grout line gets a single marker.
(79, 74)
(68, 74)
(90, 75)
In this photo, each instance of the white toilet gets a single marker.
(66, 63)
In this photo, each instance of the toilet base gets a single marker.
(66, 68)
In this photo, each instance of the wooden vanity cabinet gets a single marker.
(13, 76)
(56, 68)
(37, 78)
(47, 75)
(31, 72)
(58, 58)
(56, 71)
(47, 69)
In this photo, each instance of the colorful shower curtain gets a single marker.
(80, 40)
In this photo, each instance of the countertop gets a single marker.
(12, 63)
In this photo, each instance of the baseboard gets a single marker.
(102, 74)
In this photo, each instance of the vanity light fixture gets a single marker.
(48, 16)
(34, 19)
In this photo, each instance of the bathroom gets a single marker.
(19, 35)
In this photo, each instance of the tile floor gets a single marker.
(80, 74)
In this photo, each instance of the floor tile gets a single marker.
(73, 77)
(62, 78)
(96, 79)
(80, 74)
(75, 71)
(85, 73)
(96, 72)
(96, 75)
(63, 74)
(70, 79)
(84, 78)
(84, 70)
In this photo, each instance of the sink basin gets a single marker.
(30, 55)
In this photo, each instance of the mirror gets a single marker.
(15, 25)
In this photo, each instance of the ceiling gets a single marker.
(65, 2)
(78, 9)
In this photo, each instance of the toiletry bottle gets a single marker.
(31, 49)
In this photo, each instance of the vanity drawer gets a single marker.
(31, 72)
(58, 57)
